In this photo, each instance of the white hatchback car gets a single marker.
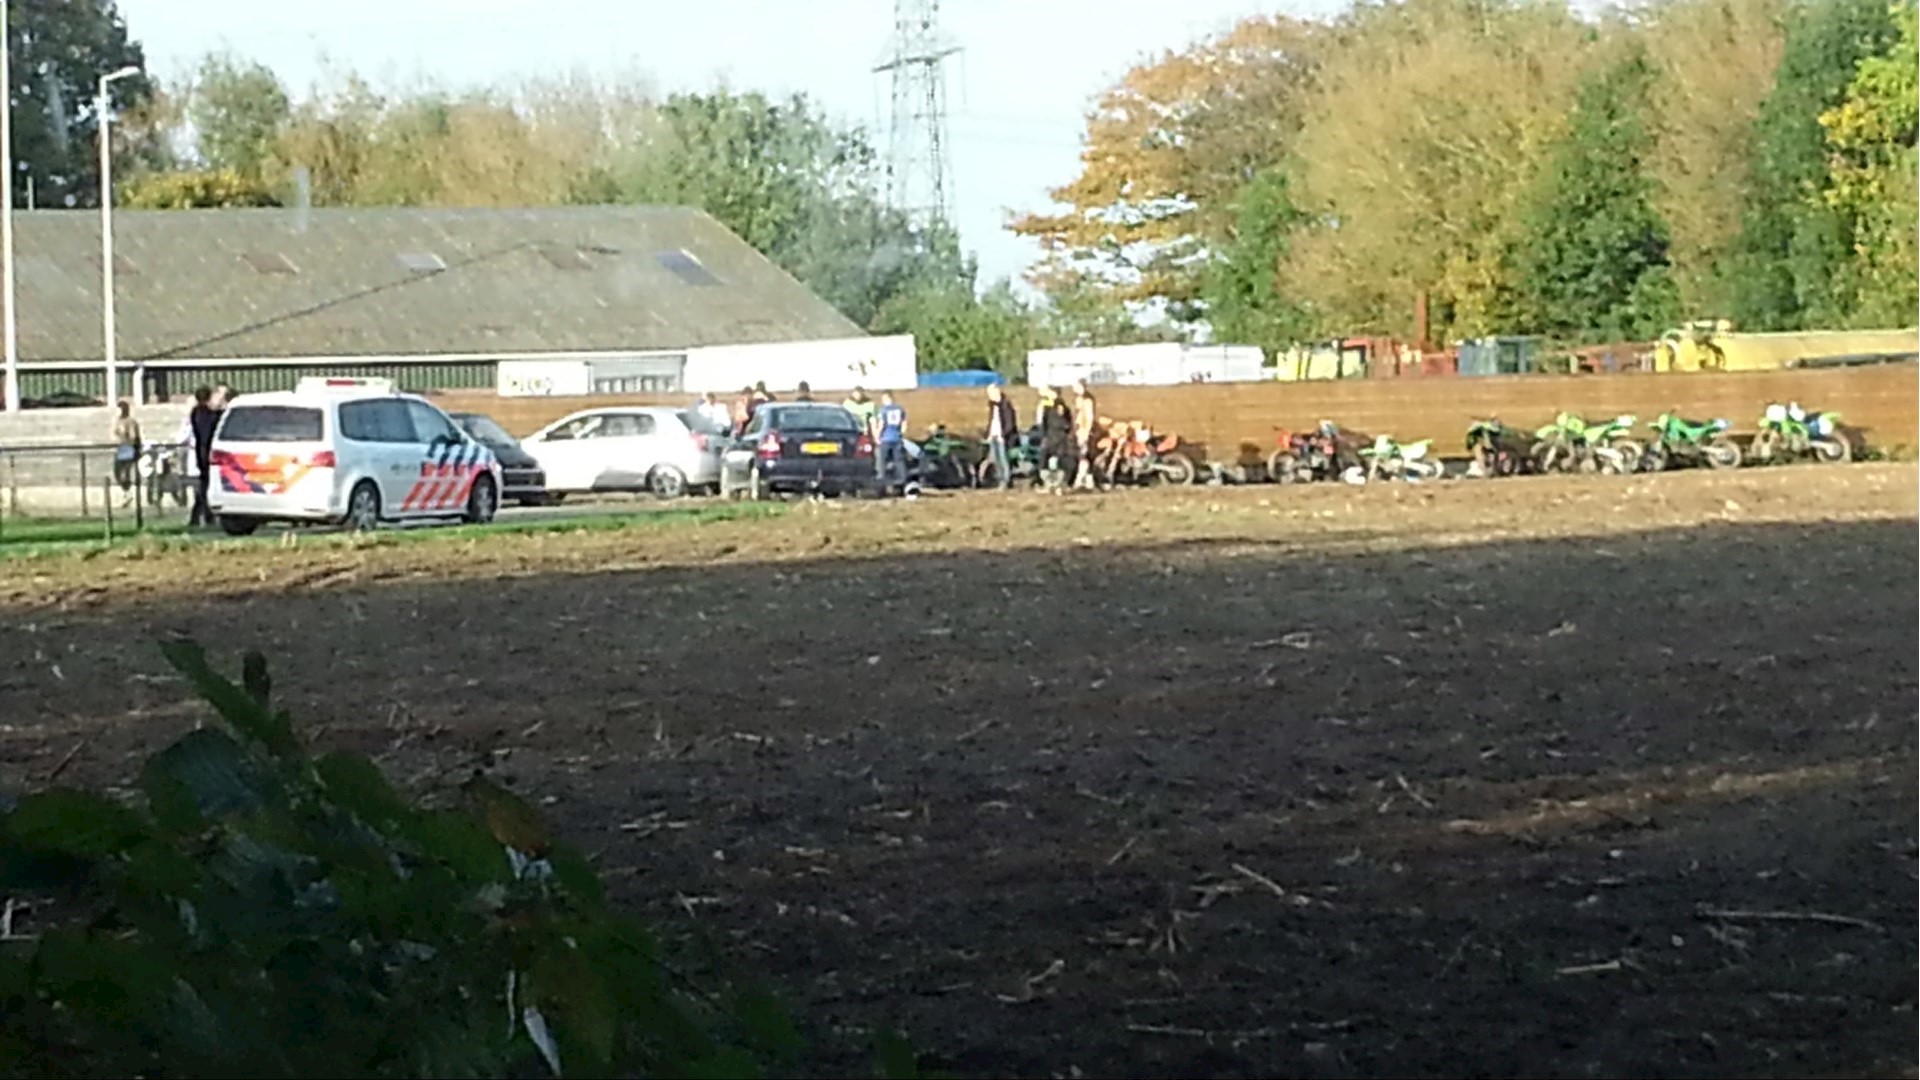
(349, 451)
(663, 450)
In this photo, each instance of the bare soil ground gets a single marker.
(1540, 777)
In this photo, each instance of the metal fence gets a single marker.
(81, 484)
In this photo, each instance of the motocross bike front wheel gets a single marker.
(1722, 453)
(1764, 448)
(1657, 459)
(1630, 452)
(1549, 457)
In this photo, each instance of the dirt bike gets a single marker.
(1677, 442)
(1389, 460)
(1142, 457)
(1572, 444)
(1497, 449)
(1023, 462)
(163, 475)
(1305, 456)
(943, 459)
(1789, 433)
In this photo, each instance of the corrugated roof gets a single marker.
(244, 283)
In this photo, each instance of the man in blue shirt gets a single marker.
(892, 422)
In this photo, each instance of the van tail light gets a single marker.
(863, 446)
(770, 445)
(322, 459)
(700, 441)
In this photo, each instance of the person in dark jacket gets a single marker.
(1002, 425)
(201, 421)
(1056, 439)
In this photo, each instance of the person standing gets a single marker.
(201, 422)
(1056, 438)
(863, 409)
(715, 413)
(742, 411)
(803, 393)
(1085, 419)
(126, 449)
(1001, 426)
(892, 423)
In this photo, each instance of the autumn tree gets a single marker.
(1166, 151)
(1241, 291)
(1788, 269)
(1593, 260)
(193, 189)
(237, 110)
(1423, 138)
(1712, 64)
(56, 52)
(1870, 182)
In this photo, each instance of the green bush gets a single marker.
(259, 912)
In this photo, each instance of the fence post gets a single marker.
(106, 489)
(83, 483)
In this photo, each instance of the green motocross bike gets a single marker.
(1789, 433)
(1389, 460)
(1574, 444)
(1497, 449)
(1678, 442)
(943, 459)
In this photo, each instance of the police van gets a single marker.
(354, 452)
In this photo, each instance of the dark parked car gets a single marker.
(522, 480)
(799, 447)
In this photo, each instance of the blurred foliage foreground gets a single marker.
(259, 912)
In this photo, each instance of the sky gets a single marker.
(1017, 92)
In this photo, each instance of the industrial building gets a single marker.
(432, 298)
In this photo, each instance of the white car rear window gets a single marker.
(270, 423)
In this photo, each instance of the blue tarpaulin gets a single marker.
(936, 380)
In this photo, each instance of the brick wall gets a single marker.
(1236, 421)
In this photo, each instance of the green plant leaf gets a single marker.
(356, 783)
(509, 818)
(725, 1063)
(205, 776)
(250, 717)
(765, 1023)
(75, 823)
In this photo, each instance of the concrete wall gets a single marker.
(56, 462)
(1236, 422)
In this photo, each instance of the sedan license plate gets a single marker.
(820, 448)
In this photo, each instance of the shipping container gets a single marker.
(1156, 364)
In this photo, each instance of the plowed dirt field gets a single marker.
(1572, 776)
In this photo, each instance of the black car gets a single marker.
(522, 478)
(799, 447)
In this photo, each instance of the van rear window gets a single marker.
(270, 423)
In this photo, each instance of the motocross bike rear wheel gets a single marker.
(1175, 468)
(1831, 450)
(1549, 457)
(1284, 468)
(1722, 453)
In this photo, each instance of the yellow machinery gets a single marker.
(1713, 346)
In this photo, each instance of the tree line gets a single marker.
(1528, 169)
(1521, 166)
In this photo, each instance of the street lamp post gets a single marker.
(103, 111)
(12, 329)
